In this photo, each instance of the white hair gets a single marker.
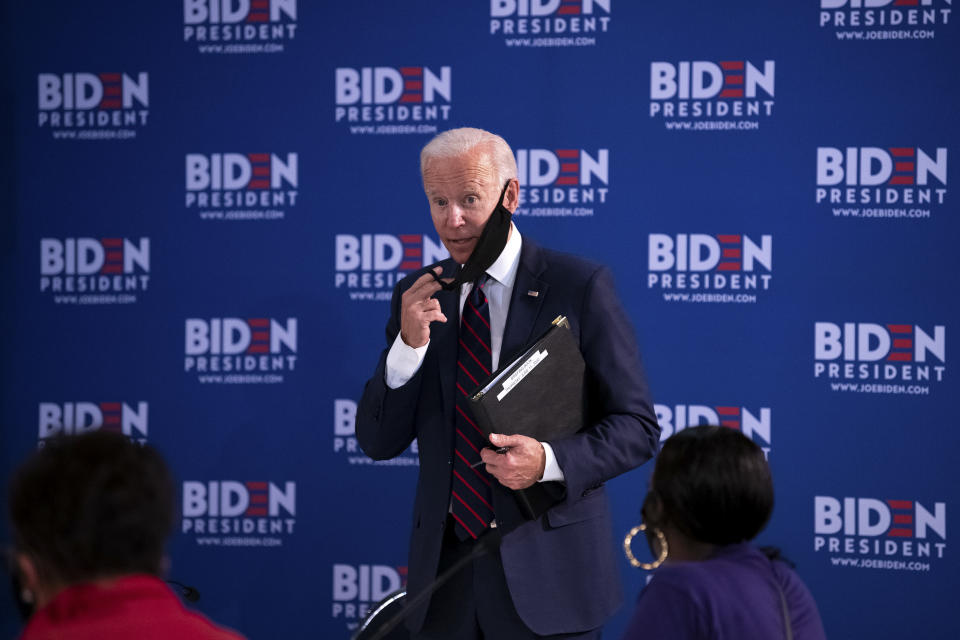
(457, 142)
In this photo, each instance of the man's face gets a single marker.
(463, 191)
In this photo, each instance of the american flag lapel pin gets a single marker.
(533, 294)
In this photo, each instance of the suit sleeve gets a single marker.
(385, 417)
(623, 433)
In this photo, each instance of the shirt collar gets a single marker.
(504, 269)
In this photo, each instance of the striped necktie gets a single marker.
(471, 498)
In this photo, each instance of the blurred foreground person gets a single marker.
(710, 494)
(90, 515)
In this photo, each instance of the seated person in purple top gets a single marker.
(710, 494)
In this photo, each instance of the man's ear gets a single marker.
(511, 199)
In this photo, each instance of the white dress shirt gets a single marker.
(403, 361)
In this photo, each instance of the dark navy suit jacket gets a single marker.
(561, 569)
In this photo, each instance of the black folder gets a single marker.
(539, 394)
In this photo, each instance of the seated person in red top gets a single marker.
(710, 494)
(90, 515)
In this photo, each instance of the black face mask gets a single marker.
(492, 240)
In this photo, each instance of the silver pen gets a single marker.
(500, 450)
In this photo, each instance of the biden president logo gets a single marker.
(369, 265)
(239, 26)
(872, 533)
(242, 186)
(889, 20)
(94, 271)
(231, 513)
(358, 587)
(753, 422)
(868, 357)
(877, 183)
(240, 350)
(93, 106)
(566, 182)
(710, 268)
(393, 100)
(549, 23)
(72, 418)
(705, 95)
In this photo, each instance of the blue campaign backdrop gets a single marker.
(206, 205)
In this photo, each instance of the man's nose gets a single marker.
(455, 216)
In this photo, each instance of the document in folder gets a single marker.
(539, 394)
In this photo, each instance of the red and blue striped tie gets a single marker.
(471, 501)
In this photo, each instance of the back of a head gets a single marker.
(456, 142)
(90, 506)
(714, 485)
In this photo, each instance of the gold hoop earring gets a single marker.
(661, 540)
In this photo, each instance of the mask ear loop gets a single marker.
(471, 261)
(503, 193)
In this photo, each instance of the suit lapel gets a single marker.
(443, 338)
(524, 307)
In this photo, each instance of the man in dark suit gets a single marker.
(551, 577)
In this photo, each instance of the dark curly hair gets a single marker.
(714, 485)
(90, 506)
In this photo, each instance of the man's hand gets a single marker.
(418, 308)
(521, 466)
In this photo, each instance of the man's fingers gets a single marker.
(518, 468)
(502, 440)
(419, 309)
(425, 283)
(422, 289)
(490, 458)
(433, 316)
(416, 293)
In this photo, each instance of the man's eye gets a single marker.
(440, 202)
(471, 200)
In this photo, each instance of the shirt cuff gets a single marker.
(551, 470)
(403, 362)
